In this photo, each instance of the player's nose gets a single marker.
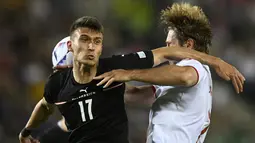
(91, 46)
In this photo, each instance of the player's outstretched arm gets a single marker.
(40, 114)
(164, 75)
(223, 69)
(179, 53)
(139, 95)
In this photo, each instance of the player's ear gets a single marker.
(190, 43)
(69, 45)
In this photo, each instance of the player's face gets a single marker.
(171, 39)
(86, 45)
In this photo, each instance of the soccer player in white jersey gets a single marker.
(182, 108)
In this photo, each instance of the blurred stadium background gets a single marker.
(29, 29)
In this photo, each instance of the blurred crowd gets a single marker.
(29, 29)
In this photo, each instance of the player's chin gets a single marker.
(88, 62)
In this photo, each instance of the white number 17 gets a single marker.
(89, 102)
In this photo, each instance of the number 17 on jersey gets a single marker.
(87, 102)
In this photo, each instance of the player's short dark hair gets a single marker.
(87, 22)
(189, 22)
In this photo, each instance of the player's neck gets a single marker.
(82, 73)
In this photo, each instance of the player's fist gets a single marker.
(229, 72)
(28, 139)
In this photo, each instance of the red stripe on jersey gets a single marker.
(206, 128)
(202, 132)
(209, 114)
(154, 90)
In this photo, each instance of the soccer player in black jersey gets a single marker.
(94, 114)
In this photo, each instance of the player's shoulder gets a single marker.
(55, 83)
(193, 63)
(188, 62)
(57, 77)
(201, 69)
(60, 73)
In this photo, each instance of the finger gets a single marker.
(235, 84)
(109, 82)
(223, 75)
(241, 77)
(239, 83)
(98, 77)
(103, 81)
(102, 75)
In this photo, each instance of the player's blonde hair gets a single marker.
(189, 22)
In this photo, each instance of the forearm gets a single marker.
(39, 115)
(165, 75)
(178, 53)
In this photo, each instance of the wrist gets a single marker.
(132, 75)
(216, 62)
(25, 132)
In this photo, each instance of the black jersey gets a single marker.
(94, 114)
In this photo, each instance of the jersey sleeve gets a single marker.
(52, 88)
(139, 60)
(196, 65)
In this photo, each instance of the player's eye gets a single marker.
(84, 39)
(98, 41)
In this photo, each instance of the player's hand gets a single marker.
(28, 139)
(229, 72)
(114, 76)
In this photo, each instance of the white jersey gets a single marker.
(182, 114)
